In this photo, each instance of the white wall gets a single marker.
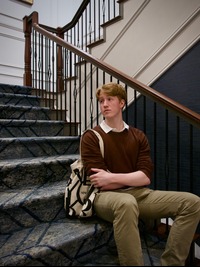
(53, 13)
(152, 36)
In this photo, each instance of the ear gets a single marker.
(122, 102)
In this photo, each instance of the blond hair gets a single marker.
(112, 89)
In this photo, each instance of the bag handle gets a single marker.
(100, 141)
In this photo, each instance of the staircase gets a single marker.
(35, 157)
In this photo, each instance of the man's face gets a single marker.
(110, 106)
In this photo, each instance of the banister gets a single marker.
(190, 116)
(72, 23)
(76, 16)
(27, 28)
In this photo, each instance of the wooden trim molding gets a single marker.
(30, 2)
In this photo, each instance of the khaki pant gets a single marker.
(124, 207)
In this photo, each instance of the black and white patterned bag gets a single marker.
(79, 193)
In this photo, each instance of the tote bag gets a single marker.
(79, 193)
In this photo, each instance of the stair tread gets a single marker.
(27, 172)
(23, 107)
(19, 95)
(69, 238)
(29, 122)
(26, 128)
(25, 147)
(16, 197)
(10, 163)
(39, 138)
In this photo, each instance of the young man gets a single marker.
(123, 176)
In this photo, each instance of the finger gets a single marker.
(92, 176)
(95, 169)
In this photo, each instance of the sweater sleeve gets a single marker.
(144, 162)
(90, 152)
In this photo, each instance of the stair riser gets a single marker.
(24, 113)
(32, 174)
(22, 148)
(15, 89)
(19, 100)
(30, 113)
(25, 128)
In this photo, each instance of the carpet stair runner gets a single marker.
(35, 157)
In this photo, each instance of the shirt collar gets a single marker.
(108, 129)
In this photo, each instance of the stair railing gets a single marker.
(172, 129)
(86, 27)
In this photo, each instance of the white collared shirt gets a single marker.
(107, 128)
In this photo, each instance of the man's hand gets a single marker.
(103, 179)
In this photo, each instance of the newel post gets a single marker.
(60, 82)
(27, 28)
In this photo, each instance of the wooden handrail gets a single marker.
(190, 116)
(72, 23)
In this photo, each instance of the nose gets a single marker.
(105, 102)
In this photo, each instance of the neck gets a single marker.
(117, 124)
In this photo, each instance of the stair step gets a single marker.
(25, 147)
(24, 112)
(27, 172)
(30, 113)
(19, 100)
(23, 208)
(15, 89)
(28, 128)
(61, 243)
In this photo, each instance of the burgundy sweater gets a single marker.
(124, 152)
